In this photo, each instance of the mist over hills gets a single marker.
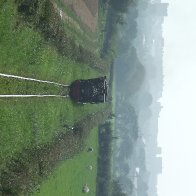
(139, 83)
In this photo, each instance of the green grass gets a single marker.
(12, 86)
(81, 37)
(25, 53)
(29, 122)
(101, 24)
(69, 178)
(25, 122)
(32, 123)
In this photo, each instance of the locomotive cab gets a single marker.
(90, 90)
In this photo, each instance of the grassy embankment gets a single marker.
(26, 51)
(70, 176)
(24, 174)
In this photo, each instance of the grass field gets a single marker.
(31, 121)
(28, 123)
(13, 86)
(69, 178)
(24, 52)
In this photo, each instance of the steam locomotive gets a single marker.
(89, 91)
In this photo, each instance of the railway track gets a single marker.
(64, 94)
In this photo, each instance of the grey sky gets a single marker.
(177, 123)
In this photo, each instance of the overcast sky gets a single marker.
(177, 123)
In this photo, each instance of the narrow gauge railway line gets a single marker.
(31, 79)
(65, 93)
(26, 96)
(92, 91)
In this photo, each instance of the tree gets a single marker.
(117, 190)
(120, 5)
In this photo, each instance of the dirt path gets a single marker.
(86, 10)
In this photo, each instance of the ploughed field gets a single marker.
(86, 10)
